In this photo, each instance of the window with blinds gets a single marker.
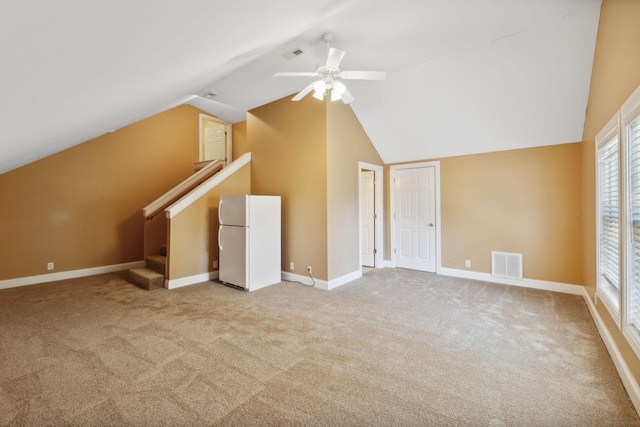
(618, 216)
(632, 133)
(608, 286)
(630, 137)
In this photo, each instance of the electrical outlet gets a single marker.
(467, 263)
(291, 266)
(215, 264)
(49, 266)
(309, 269)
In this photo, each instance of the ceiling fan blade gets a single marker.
(363, 75)
(346, 97)
(334, 57)
(304, 92)
(296, 74)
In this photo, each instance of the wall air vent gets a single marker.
(293, 53)
(505, 264)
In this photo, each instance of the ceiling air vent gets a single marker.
(505, 264)
(293, 53)
(210, 95)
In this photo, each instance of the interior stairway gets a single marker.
(152, 276)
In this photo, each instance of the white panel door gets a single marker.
(367, 218)
(215, 141)
(415, 214)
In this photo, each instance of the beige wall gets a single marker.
(616, 66)
(240, 142)
(288, 158)
(81, 208)
(308, 153)
(524, 201)
(615, 75)
(194, 231)
(347, 144)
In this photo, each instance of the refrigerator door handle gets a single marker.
(220, 237)
(220, 211)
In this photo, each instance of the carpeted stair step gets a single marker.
(163, 250)
(146, 278)
(157, 263)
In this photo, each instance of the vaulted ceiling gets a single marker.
(464, 76)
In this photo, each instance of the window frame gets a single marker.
(629, 112)
(612, 302)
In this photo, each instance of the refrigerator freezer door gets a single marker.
(232, 210)
(233, 255)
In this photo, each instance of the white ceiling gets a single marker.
(464, 76)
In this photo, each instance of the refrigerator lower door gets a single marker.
(232, 242)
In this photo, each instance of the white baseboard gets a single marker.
(630, 384)
(65, 275)
(292, 277)
(525, 283)
(322, 284)
(344, 279)
(388, 263)
(191, 280)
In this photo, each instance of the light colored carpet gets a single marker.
(394, 348)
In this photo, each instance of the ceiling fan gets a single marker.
(330, 76)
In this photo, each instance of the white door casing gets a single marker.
(367, 218)
(415, 218)
(378, 240)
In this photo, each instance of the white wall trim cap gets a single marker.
(157, 204)
(206, 186)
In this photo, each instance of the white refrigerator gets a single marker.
(249, 241)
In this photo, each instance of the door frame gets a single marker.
(228, 139)
(370, 207)
(392, 204)
(378, 180)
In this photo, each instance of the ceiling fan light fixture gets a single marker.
(338, 89)
(319, 89)
(328, 74)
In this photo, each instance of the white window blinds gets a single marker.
(609, 221)
(618, 216)
(633, 282)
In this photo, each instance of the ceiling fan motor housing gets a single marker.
(330, 76)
